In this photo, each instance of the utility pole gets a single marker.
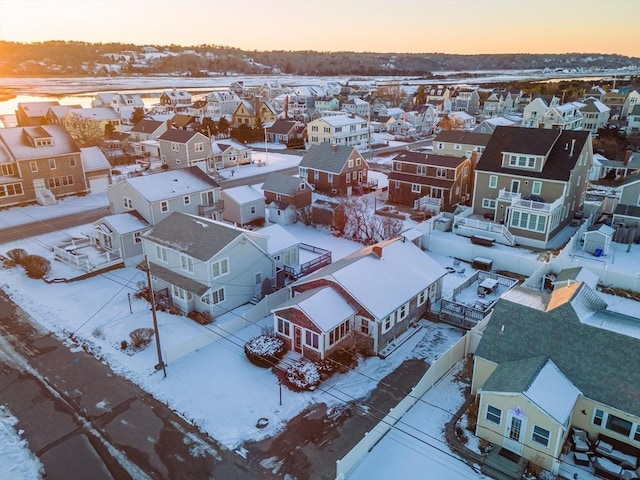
(160, 364)
(266, 146)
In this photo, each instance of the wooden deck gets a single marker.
(502, 468)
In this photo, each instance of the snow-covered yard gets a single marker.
(17, 462)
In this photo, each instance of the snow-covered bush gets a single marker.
(140, 338)
(264, 351)
(303, 375)
(17, 255)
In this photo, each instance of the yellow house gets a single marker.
(248, 112)
(87, 125)
(550, 363)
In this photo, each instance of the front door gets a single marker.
(516, 424)
(38, 184)
(297, 339)
(515, 186)
(257, 283)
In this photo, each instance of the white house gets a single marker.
(243, 205)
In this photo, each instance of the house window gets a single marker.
(488, 203)
(598, 416)
(422, 297)
(164, 206)
(330, 177)
(618, 425)
(536, 188)
(339, 332)
(10, 190)
(403, 311)
(52, 164)
(187, 263)
(421, 170)
(493, 181)
(494, 414)
(364, 326)
(316, 174)
(348, 177)
(302, 172)
(441, 172)
(161, 254)
(54, 182)
(34, 166)
(217, 296)
(137, 238)
(358, 162)
(72, 161)
(205, 299)
(415, 188)
(253, 209)
(311, 339)
(186, 200)
(636, 436)
(128, 203)
(531, 162)
(396, 184)
(541, 436)
(198, 147)
(284, 327)
(220, 268)
(178, 293)
(175, 147)
(67, 180)
(387, 323)
(350, 163)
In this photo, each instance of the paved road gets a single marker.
(10, 234)
(85, 422)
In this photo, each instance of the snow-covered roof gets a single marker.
(123, 223)
(174, 183)
(243, 194)
(18, 141)
(93, 159)
(323, 306)
(99, 113)
(384, 276)
(279, 238)
(340, 120)
(553, 393)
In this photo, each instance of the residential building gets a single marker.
(184, 148)
(243, 205)
(335, 169)
(531, 182)
(626, 216)
(155, 197)
(458, 142)
(97, 169)
(595, 115)
(346, 130)
(489, 125)
(430, 182)
(183, 121)
(545, 365)
(465, 99)
(31, 114)
(285, 131)
(633, 121)
(39, 164)
(122, 231)
(229, 153)
(124, 104)
(248, 112)
(439, 96)
(221, 104)
(284, 195)
(202, 265)
(144, 137)
(356, 106)
(366, 305)
(79, 121)
(567, 116)
(632, 99)
(55, 114)
(615, 100)
(327, 104)
(175, 100)
(535, 110)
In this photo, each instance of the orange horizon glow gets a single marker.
(464, 27)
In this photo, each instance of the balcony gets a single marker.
(209, 209)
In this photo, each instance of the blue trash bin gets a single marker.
(598, 252)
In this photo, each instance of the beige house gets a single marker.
(550, 362)
(349, 130)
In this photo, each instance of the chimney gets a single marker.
(377, 249)
(573, 146)
(334, 148)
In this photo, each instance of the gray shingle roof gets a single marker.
(197, 237)
(146, 126)
(603, 364)
(515, 376)
(283, 184)
(535, 141)
(178, 136)
(328, 158)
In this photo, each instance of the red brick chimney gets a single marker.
(377, 249)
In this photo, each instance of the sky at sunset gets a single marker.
(425, 26)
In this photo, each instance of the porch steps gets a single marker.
(288, 360)
(255, 299)
(502, 468)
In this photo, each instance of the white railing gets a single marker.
(482, 226)
(538, 206)
(427, 202)
(69, 253)
(507, 196)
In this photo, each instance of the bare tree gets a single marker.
(363, 225)
(85, 132)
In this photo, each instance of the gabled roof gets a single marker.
(328, 158)
(463, 137)
(597, 350)
(179, 136)
(340, 120)
(146, 126)
(243, 194)
(282, 127)
(198, 237)
(323, 306)
(170, 184)
(383, 276)
(283, 184)
(279, 238)
(421, 180)
(555, 144)
(36, 109)
(94, 159)
(123, 223)
(17, 142)
(98, 113)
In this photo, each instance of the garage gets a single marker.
(98, 184)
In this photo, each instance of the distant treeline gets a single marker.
(82, 58)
